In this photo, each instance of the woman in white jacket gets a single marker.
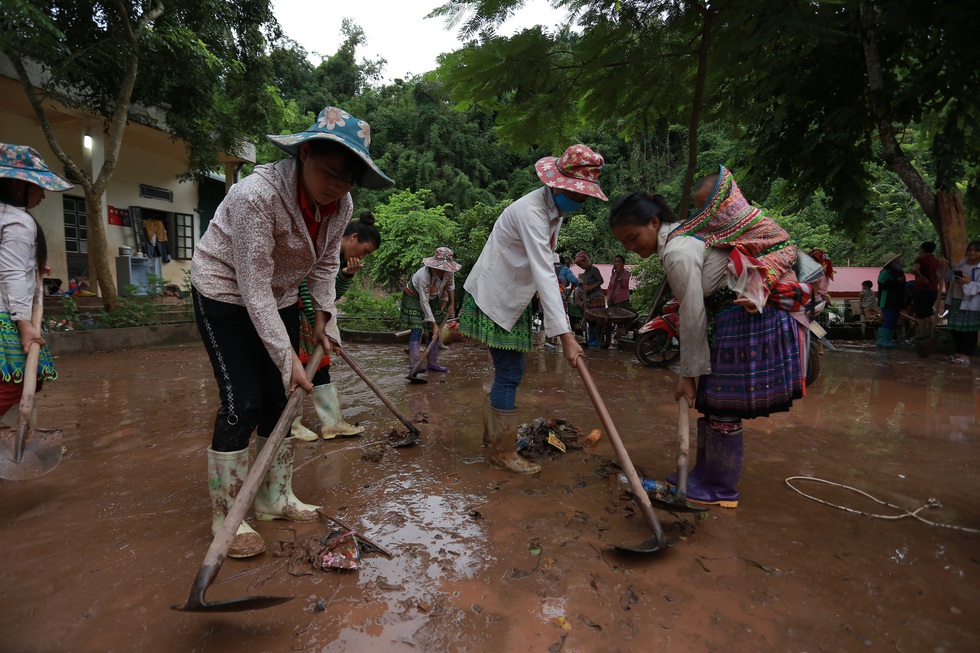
(964, 299)
(278, 226)
(23, 255)
(518, 261)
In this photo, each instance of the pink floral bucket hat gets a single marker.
(335, 124)
(576, 170)
(24, 163)
(443, 260)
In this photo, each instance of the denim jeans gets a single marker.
(508, 371)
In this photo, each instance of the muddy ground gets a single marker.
(96, 552)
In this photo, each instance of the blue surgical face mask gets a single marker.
(565, 203)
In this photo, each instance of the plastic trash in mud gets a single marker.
(341, 552)
(548, 438)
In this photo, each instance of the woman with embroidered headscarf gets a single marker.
(517, 262)
(23, 257)
(741, 311)
(278, 226)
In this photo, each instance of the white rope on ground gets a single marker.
(930, 503)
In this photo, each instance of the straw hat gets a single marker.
(337, 125)
(576, 170)
(24, 163)
(443, 260)
(889, 257)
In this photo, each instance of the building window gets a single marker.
(183, 236)
(76, 230)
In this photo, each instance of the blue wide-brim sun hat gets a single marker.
(24, 163)
(334, 124)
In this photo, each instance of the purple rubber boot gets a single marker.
(434, 359)
(719, 484)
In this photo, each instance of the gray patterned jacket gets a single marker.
(257, 250)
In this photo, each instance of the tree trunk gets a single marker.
(881, 110)
(99, 251)
(952, 224)
(692, 132)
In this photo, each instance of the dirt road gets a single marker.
(97, 551)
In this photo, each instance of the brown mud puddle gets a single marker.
(97, 551)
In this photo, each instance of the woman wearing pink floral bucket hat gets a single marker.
(278, 226)
(517, 262)
(23, 255)
(429, 296)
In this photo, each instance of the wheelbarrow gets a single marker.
(605, 318)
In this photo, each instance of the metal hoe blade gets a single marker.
(197, 603)
(40, 453)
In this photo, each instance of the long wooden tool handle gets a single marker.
(425, 354)
(646, 508)
(221, 543)
(381, 395)
(683, 448)
(30, 373)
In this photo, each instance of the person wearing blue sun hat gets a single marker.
(278, 226)
(24, 176)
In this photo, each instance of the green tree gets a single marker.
(411, 232)
(825, 88)
(197, 69)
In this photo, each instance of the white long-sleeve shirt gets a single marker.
(18, 262)
(968, 293)
(693, 272)
(429, 287)
(518, 261)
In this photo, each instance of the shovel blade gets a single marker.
(42, 451)
(650, 545)
(408, 441)
(231, 605)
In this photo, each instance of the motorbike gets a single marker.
(657, 344)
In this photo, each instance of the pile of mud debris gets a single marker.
(551, 438)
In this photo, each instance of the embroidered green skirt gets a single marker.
(476, 324)
(13, 358)
(411, 314)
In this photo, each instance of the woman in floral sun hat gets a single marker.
(517, 262)
(435, 282)
(23, 258)
(278, 226)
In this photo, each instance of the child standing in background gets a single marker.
(869, 302)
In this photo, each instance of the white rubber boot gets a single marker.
(226, 475)
(275, 499)
(327, 404)
(300, 432)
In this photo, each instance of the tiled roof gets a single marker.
(847, 281)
